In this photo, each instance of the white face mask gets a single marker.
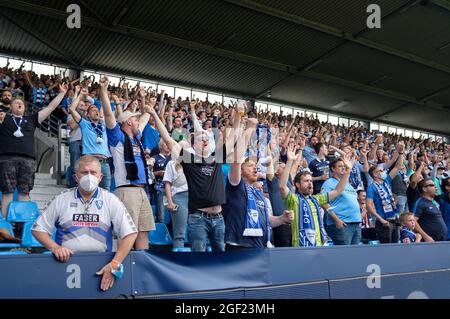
(88, 183)
(384, 175)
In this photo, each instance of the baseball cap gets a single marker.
(124, 116)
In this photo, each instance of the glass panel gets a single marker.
(113, 80)
(183, 93)
(199, 95)
(42, 68)
(96, 75)
(374, 126)
(3, 62)
(213, 98)
(299, 112)
(274, 108)
(343, 121)
(323, 117)
(392, 130)
(333, 119)
(432, 137)
(354, 123)
(416, 134)
(229, 101)
(401, 131)
(260, 106)
(287, 110)
(169, 90)
(408, 133)
(383, 128)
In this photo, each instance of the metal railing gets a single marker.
(54, 128)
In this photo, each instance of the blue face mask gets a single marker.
(384, 175)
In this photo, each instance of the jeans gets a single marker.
(282, 236)
(160, 208)
(106, 172)
(387, 235)
(75, 154)
(402, 203)
(202, 226)
(347, 235)
(179, 219)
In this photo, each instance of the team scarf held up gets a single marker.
(253, 225)
(307, 229)
(387, 200)
(262, 145)
(408, 234)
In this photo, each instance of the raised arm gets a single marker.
(284, 190)
(398, 166)
(174, 147)
(44, 113)
(110, 119)
(344, 180)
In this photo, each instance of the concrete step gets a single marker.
(41, 197)
(44, 181)
(41, 189)
(42, 176)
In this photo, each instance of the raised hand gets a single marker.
(77, 89)
(291, 152)
(63, 88)
(142, 93)
(104, 83)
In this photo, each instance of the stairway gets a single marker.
(45, 189)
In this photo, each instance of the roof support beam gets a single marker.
(41, 38)
(272, 12)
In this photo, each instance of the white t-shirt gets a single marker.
(175, 178)
(84, 226)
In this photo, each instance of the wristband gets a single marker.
(118, 273)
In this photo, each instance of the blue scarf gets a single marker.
(262, 146)
(252, 223)
(355, 178)
(307, 228)
(387, 200)
(406, 233)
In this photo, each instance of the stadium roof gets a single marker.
(314, 53)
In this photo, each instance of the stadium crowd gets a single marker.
(232, 176)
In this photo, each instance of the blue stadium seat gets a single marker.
(374, 242)
(160, 236)
(12, 252)
(182, 249)
(23, 212)
(28, 239)
(7, 225)
(166, 216)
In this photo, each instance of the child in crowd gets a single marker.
(408, 234)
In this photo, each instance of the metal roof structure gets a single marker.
(314, 53)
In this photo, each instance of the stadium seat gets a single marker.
(166, 216)
(23, 212)
(28, 239)
(12, 252)
(182, 249)
(160, 236)
(374, 242)
(7, 225)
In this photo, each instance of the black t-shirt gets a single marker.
(23, 146)
(318, 168)
(205, 181)
(399, 186)
(412, 195)
(430, 219)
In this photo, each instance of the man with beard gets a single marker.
(307, 228)
(5, 101)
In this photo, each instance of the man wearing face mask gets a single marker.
(131, 172)
(381, 203)
(17, 151)
(85, 218)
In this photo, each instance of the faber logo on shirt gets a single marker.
(86, 220)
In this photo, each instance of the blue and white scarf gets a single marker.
(262, 145)
(355, 178)
(253, 225)
(307, 228)
(406, 233)
(387, 200)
